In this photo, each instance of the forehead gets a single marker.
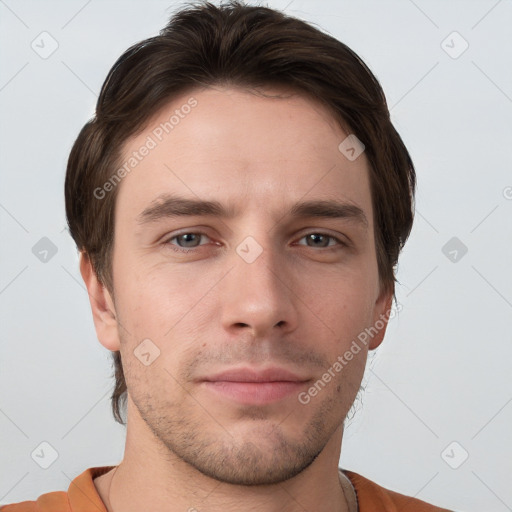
(244, 149)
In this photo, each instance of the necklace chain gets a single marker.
(109, 505)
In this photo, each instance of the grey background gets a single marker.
(443, 371)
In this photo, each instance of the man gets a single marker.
(239, 201)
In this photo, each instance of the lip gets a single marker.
(271, 374)
(249, 386)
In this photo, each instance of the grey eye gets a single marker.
(188, 240)
(318, 240)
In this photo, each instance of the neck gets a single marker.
(150, 478)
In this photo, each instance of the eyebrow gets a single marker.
(169, 206)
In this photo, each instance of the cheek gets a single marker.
(147, 294)
(344, 302)
(166, 305)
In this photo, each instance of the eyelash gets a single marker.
(177, 248)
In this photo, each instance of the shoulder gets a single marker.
(371, 495)
(51, 501)
(81, 495)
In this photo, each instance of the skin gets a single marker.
(299, 305)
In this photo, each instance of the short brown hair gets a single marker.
(204, 45)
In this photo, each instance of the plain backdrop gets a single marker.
(435, 418)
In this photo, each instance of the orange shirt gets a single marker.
(82, 496)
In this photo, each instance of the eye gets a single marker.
(321, 240)
(189, 241)
(185, 241)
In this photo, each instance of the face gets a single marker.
(245, 303)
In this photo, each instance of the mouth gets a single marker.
(249, 386)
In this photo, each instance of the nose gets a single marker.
(258, 294)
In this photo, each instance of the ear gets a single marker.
(102, 305)
(381, 315)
